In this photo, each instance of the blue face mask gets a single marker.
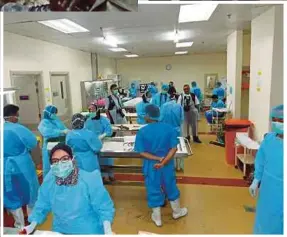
(53, 116)
(278, 127)
(62, 169)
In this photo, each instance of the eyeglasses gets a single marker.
(62, 159)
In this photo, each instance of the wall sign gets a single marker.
(259, 81)
(23, 97)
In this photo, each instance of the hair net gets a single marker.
(152, 112)
(63, 147)
(164, 87)
(49, 110)
(78, 121)
(278, 112)
(193, 84)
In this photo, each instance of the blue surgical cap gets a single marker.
(165, 87)
(49, 110)
(152, 112)
(193, 84)
(278, 112)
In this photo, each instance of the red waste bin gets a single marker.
(232, 126)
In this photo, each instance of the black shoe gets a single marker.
(188, 138)
(196, 140)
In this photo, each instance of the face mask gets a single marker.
(62, 169)
(18, 118)
(92, 114)
(164, 92)
(115, 92)
(278, 127)
(148, 99)
(53, 116)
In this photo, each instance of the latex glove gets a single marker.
(28, 229)
(101, 137)
(108, 228)
(253, 188)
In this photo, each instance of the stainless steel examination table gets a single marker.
(122, 147)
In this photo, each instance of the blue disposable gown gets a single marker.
(157, 139)
(80, 209)
(160, 99)
(216, 105)
(269, 168)
(133, 92)
(85, 145)
(220, 92)
(172, 113)
(153, 90)
(20, 178)
(49, 128)
(100, 127)
(196, 90)
(140, 109)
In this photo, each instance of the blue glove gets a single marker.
(253, 188)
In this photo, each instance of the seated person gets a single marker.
(216, 104)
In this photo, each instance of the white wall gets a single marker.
(185, 68)
(266, 44)
(106, 66)
(234, 70)
(27, 54)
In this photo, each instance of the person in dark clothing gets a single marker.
(171, 89)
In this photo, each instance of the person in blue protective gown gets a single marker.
(196, 90)
(101, 127)
(20, 178)
(216, 104)
(160, 98)
(50, 127)
(133, 91)
(157, 144)
(219, 91)
(85, 144)
(268, 173)
(77, 199)
(152, 89)
(172, 114)
(140, 107)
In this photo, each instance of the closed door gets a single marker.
(27, 98)
(59, 94)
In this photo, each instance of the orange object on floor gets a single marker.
(232, 126)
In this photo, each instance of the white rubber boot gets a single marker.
(156, 216)
(18, 217)
(177, 211)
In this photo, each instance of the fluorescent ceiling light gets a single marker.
(118, 49)
(64, 25)
(181, 52)
(111, 41)
(196, 12)
(184, 44)
(131, 56)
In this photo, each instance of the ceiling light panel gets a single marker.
(181, 52)
(118, 49)
(131, 55)
(184, 44)
(64, 25)
(196, 12)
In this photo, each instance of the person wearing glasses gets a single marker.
(78, 200)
